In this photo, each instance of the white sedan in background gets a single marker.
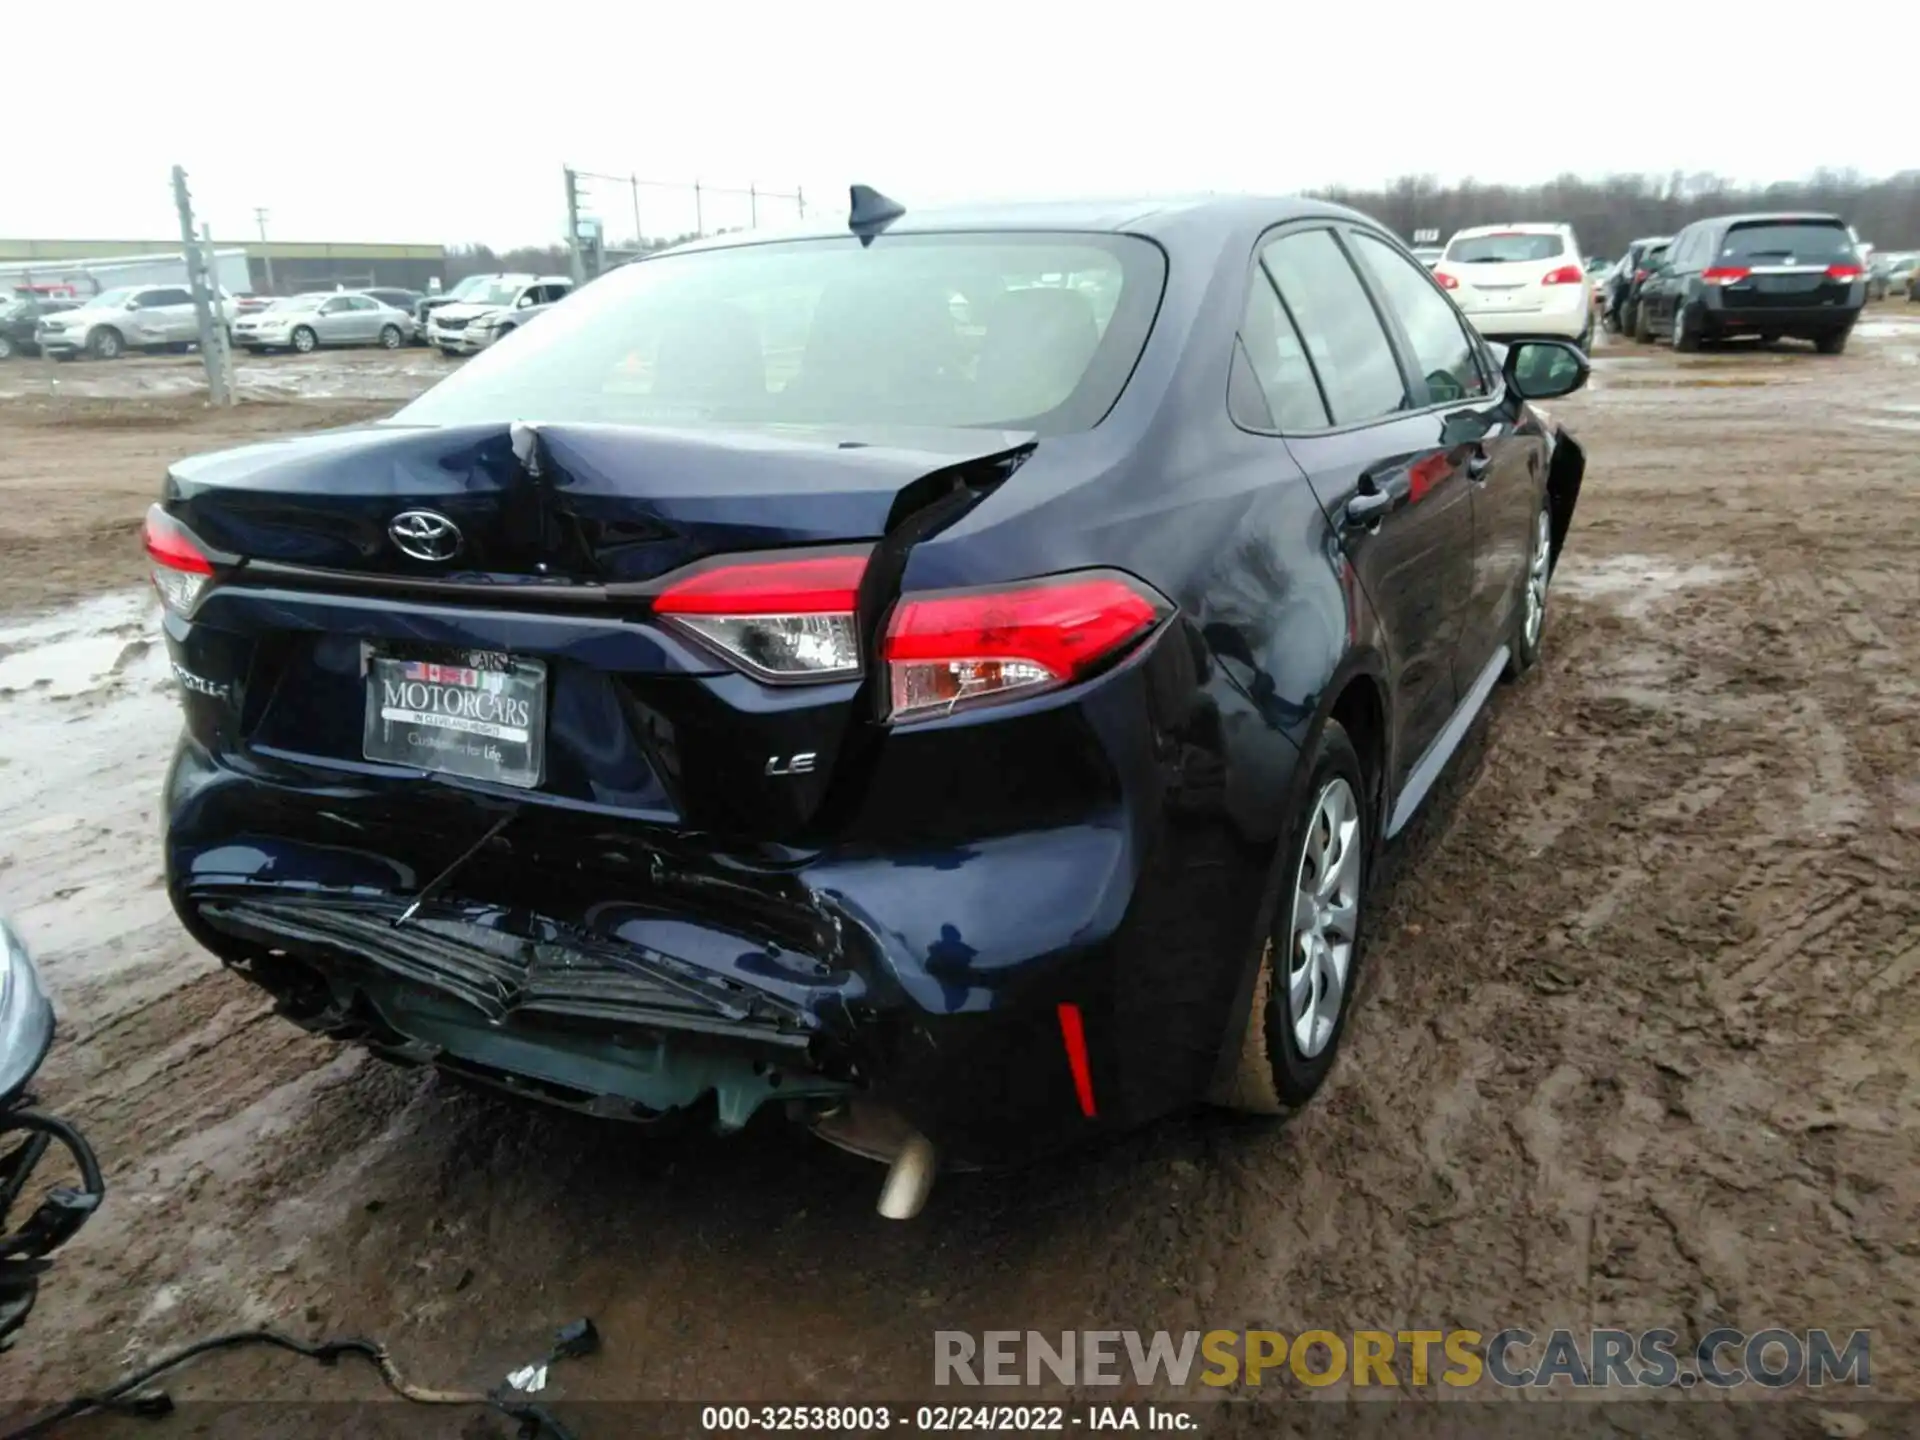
(1520, 280)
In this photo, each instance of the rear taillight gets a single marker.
(1844, 272)
(181, 569)
(1447, 282)
(783, 620)
(1565, 275)
(1724, 274)
(947, 652)
(1638, 276)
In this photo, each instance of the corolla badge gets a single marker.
(425, 535)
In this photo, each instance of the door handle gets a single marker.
(1478, 464)
(1367, 507)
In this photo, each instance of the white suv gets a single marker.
(1520, 280)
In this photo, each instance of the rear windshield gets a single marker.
(1029, 331)
(1794, 242)
(1495, 249)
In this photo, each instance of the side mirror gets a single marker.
(1545, 369)
(131, 305)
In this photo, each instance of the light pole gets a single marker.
(260, 218)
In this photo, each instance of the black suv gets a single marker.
(1635, 263)
(1764, 275)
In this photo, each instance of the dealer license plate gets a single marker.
(480, 715)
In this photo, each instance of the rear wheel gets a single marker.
(1831, 344)
(1642, 327)
(1530, 615)
(7, 348)
(391, 338)
(305, 341)
(1685, 338)
(1310, 959)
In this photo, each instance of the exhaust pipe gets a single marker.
(882, 1134)
(909, 1179)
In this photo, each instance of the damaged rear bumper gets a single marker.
(582, 960)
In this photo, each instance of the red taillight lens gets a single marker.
(1844, 272)
(1638, 276)
(1447, 282)
(180, 568)
(784, 620)
(1565, 275)
(1724, 274)
(947, 652)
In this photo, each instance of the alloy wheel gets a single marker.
(1326, 916)
(1538, 572)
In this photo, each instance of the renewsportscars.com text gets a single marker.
(1511, 1359)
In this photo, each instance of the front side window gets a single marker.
(1343, 335)
(1434, 328)
(1029, 330)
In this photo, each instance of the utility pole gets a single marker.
(699, 216)
(191, 252)
(639, 241)
(576, 262)
(222, 342)
(260, 219)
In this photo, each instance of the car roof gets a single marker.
(1138, 215)
(1778, 217)
(1525, 227)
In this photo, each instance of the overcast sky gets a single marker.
(400, 121)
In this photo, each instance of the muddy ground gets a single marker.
(1639, 1042)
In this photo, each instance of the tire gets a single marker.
(1831, 344)
(1684, 342)
(450, 354)
(1769, 339)
(391, 338)
(1530, 614)
(304, 340)
(1274, 1073)
(7, 348)
(503, 332)
(1642, 328)
(106, 343)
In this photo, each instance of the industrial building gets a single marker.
(273, 267)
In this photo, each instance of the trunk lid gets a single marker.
(543, 605)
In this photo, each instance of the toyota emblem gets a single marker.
(425, 535)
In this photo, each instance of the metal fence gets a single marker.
(613, 217)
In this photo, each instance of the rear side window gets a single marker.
(1505, 247)
(1286, 396)
(1344, 338)
(1791, 243)
(1032, 331)
(1436, 331)
(153, 299)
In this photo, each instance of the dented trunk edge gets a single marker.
(1565, 471)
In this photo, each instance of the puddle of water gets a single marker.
(1893, 327)
(88, 718)
(1634, 584)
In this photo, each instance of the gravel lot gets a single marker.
(1640, 1042)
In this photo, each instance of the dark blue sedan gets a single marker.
(949, 675)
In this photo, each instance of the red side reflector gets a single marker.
(1073, 1038)
(168, 544)
(814, 585)
(1565, 275)
(1447, 282)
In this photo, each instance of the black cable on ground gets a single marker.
(534, 1419)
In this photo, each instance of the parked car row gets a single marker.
(155, 318)
(1894, 273)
